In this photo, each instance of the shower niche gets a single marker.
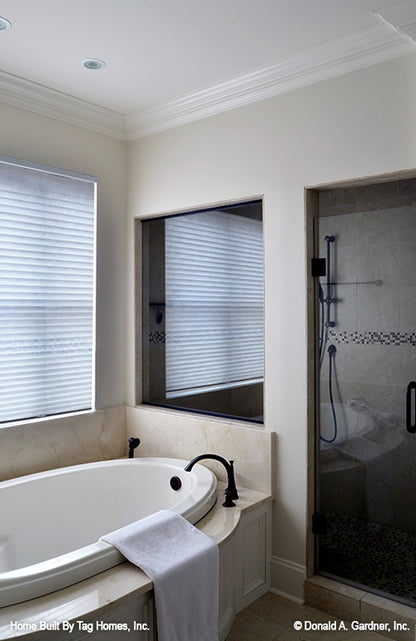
(364, 338)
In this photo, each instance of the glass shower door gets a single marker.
(366, 530)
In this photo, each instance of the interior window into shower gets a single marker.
(202, 311)
(365, 332)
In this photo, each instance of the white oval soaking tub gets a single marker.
(51, 522)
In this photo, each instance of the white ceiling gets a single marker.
(167, 57)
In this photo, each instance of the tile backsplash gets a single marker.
(60, 441)
(176, 434)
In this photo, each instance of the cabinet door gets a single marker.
(136, 615)
(252, 556)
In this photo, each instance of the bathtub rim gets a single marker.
(99, 556)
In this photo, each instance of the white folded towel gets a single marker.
(183, 564)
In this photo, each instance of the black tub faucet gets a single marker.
(133, 443)
(231, 492)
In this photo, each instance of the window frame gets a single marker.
(143, 302)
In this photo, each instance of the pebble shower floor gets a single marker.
(377, 556)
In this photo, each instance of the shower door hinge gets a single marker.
(319, 523)
(318, 267)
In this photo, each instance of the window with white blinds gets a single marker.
(214, 302)
(47, 291)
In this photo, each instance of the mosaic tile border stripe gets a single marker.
(373, 338)
(345, 337)
(159, 336)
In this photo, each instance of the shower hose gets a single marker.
(331, 351)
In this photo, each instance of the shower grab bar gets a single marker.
(411, 427)
(378, 282)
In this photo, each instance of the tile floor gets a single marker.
(272, 618)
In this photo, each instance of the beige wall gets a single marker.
(354, 125)
(39, 139)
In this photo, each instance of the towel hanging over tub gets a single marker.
(183, 564)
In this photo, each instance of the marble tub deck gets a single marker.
(97, 595)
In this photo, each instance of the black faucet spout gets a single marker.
(231, 492)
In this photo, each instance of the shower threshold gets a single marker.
(350, 603)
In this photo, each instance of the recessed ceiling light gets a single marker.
(93, 63)
(4, 24)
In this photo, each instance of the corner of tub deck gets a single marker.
(221, 523)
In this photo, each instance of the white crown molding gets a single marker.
(353, 51)
(358, 49)
(401, 16)
(55, 104)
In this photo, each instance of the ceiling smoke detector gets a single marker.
(93, 63)
(4, 24)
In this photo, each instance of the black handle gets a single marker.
(409, 426)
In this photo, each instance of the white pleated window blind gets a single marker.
(47, 258)
(214, 302)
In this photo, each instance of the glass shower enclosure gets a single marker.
(365, 333)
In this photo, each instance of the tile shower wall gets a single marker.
(373, 262)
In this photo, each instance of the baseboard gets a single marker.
(287, 579)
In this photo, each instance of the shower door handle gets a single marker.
(411, 393)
